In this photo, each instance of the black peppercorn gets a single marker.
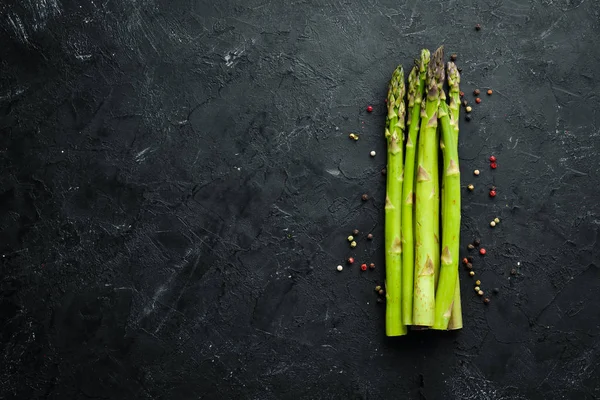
(355, 232)
(476, 242)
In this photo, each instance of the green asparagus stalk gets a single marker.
(394, 134)
(416, 88)
(425, 246)
(445, 293)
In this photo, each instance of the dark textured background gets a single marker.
(177, 186)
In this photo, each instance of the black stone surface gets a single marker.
(177, 187)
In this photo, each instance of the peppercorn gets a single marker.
(373, 153)
(489, 92)
(383, 171)
(476, 242)
(370, 109)
(350, 238)
(471, 187)
(377, 288)
(496, 290)
(477, 27)
(464, 103)
(472, 273)
(469, 266)
(469, 109)
(480, 292)
(355, 231)
(497, 220)
(492, 224)
(492, 193)
(486, 300)
(453, 57)
(470, 246)
(478, 282)
(352, 136)
(476, 172)
(470, 259)
(340, 268)
(353, 244)
(493, 165)
(478, 100)
(370, 236)
(363, 267)
(381, 292)
(467, 117)
(513, 271)
(465, 261)
(350, 260)
(355, 137)
(476, 92)
(492, 159)
(372, 266)
(461, 94)
(477, 288)
(482, 251)
(365, 197)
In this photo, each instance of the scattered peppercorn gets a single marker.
(355, 232)
(477, 27)
(365, 197)
(492, 193)
(477, 288)
(480, 292)
(350, 260)
(496, 290)
(363, 267)
(469, 266)
(381, 292)
(492, 224)
(493, 165)
(352, 136)
(370, 109)
(489, 92)
(476, 92)
(465, 103)
(486, 300)
(469, 109)
(513, 271)
(497, 220)
(372, 266)
(465, 261)
(470, 246)
(478, 100)
(467, 117)
(353, 244)
(383, 171)
(350, 238)
(470, 258)
(471, 187)
(477, 242)
(492, 159)
(355, 137)
(472, 273)
(373, 153)
(370, 236)
(478, 282)
(461, 94)
(482, 251)
(340, 268)
(453, 57)
(476, 172)
(377, 288)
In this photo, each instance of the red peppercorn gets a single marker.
(363, 267)
(370, 109)
(477, 27)
(465, 261)
(461, 93)
(492, 159)
(350, 260)
(492, 193)
(493, 165)
(478, 100)
(482, 251)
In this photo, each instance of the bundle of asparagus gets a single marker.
(421, 276)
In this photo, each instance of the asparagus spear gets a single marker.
(456, 321)
(416, 88)
(445, 293)
(394, 134)
(425, 247)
